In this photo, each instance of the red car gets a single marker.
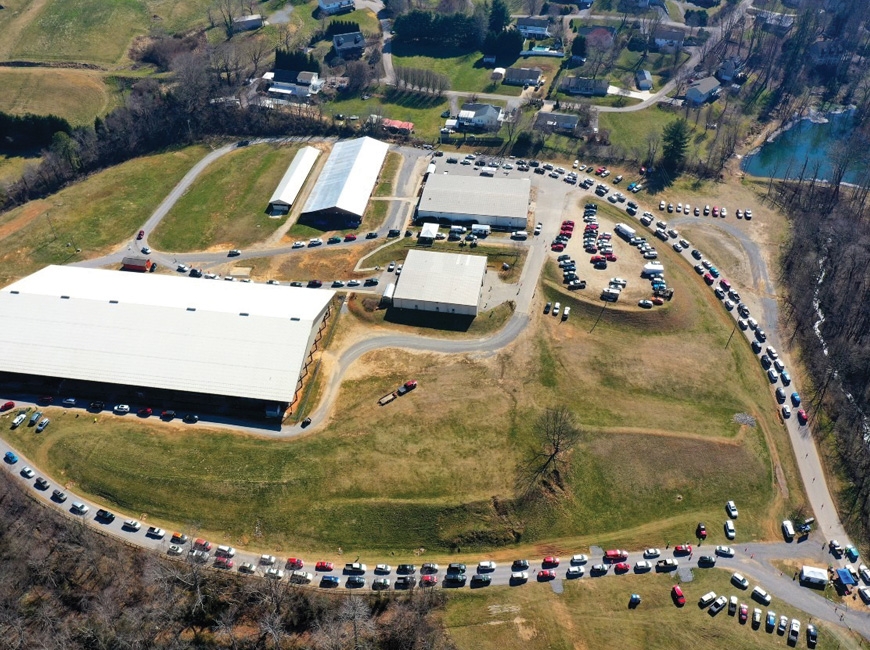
(568, 222)
(658, 301)
(350, 237)
(551, 560)
(684, 549)
(295, 563)
(566, 233)
(46, 399)
(615, 555)
(701, 532)
(546, 574)
(7, 406)
(223, 563)
(557, 248)
(802, 416)
(597, 258)
(145, 412)
(568, 226)
(591, 226)
(715, 210)
(744, 612)
(324, 566)
(141, 234)
(605, 235)
(429, 580)
(610, 257)
(202, 544)
(601, 170)
(622, 567)
(709, 279)
(677, 595)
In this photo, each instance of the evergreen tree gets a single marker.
(499, 16)
(675, 141)
(578, 46)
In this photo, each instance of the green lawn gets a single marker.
(424, 111)
(75, 95)
(388, 174)
(82, 30)
(593, 613)
(11, 167)
(303, 17)
(94, 215)
(630, 130)
(398, 251)
(629, 63)
(226, 206)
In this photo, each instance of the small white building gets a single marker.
(497, 74)
(814, 576)
(294, 178)
(481, 116)
(336, 6)
(429, 233)
(448, 283)
(246, 23)
(702, 90)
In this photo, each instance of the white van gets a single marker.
(480, 229)
(520, 234)
(788, 530)
(761, 596)
(707, 598)
(459, 230)
(225, 551)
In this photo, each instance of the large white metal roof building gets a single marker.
(497, 202)
(158, 331)
(448, 283)
(293, 180)
(348, 178)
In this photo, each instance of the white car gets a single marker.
(739, 580)
(575, 572)
(27, 472)
(731, 509)
(642, 565)
(268, 560)
(274, 574)
(753, 324)
(864, 572)
(383, 568)
(132, 524)
(391, 267)
(122, 408)
(652, 552)
(556, 308)
(299, 244)
(174, 549)
(519, 576)
(79, 508)
(725, 551)
(315, 241)
(486, 565)
(730, 532)
(18, 420)
(580, 558)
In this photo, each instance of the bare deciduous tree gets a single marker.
(556, 434)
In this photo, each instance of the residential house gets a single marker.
(729, 69)
(584, 86)
(245, 23)
(668, 39)
(779, 24)
(523, 77)
(480, 116)
(333, 7)
(556, 123)
(398, 126)
(292, 85)
(702, 90)
(644, 80)
(598, 37)
(533, 27)
(349, 46)
(827, 52)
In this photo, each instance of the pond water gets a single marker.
(806, 140)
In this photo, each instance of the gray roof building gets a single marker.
(349, 45)
(497, 202)
(556, 122)
(522, 76)
(447, 283)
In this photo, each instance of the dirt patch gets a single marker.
(30, 212)
(525, 631)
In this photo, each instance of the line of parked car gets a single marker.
(783, 626)
(715, 211)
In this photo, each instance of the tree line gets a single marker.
(421, 80)
(438, 30)
(29, 132)
(66, 587)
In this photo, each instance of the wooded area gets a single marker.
(67, 587)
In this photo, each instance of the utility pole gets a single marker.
(731, 337)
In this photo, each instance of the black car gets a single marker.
(406, 582)
(59, 496)
(547, 307)
(370, 282)
(356, 582)
(96, 406)
(167, 415)
(707, 560)
(41, 484)
(195, 273)
(519, 565)
(481, 579)
(314, 284)
(456, 567)
(105, 515)
(333, 240)
(371, 235)
(406, 568)
(455, 578)
(190, 418)
(394, 232)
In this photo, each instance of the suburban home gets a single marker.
(534, 27)
(523, 77)
(333, 7)
(556, 123)
(702, 90)
(584, 86)
(644, 80)
(668, 39)
(245, 23)
(779, 24)
(729, 69)
(349, 46)
(480, 116)
(597, 36)
(292, 85)
(827, 52)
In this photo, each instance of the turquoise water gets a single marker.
(806, 140)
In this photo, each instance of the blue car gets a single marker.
(10, 458)
(785, 377)
(329, 581)
(795, 399)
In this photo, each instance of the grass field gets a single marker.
(93, 215)
(398, 251)
(303, 16)
(226, 206)
(388, 174)
(424, 111)
(75, 95)
(630, 130)
(11, 167)
(592, 610)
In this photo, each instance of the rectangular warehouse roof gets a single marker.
(476, 195)
(348, 177)
(450, 278)
(294, 178)
(159, 331)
